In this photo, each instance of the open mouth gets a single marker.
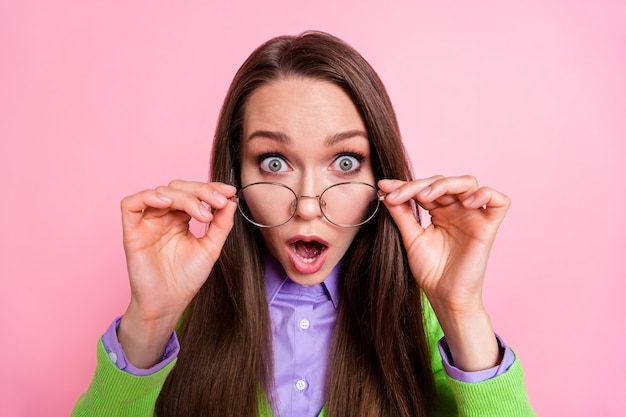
(307, 255)
(307, 251)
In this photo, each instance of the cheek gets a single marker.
(248, 165)
(370, 171)
(245, 172)
(349, 237)
(272, 239)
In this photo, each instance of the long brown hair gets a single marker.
(379, 363)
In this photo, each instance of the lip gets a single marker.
(305, 238)
(300, 265)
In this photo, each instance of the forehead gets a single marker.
(301, 107)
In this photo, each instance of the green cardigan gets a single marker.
(114, 392)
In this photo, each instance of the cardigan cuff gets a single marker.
(508, 357)
(116, 353)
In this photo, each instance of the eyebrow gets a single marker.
(330, 140)
(338, 137)
(277, 136)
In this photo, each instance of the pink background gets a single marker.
(100, 99)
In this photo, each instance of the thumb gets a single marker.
(400, 207)
(405, 218)
(218, 229)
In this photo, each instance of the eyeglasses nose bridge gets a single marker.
(318, 197)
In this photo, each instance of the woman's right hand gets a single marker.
(167, 264)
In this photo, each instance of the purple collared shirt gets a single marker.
(303, 319)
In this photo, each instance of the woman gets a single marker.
(305, 136)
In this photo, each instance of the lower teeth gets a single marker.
(307, 260)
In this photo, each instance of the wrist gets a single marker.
(470, 338)
(144, 340)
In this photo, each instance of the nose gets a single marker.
(308, 207)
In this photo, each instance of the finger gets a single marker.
(448, 190)
(404, 217)
(194, 198)
(399, 191)
(215, 194)
(183, 202)
(133, 206)
(487, 198)
(218, 230)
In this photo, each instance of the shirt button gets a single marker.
(304, 324)
(113, 357)
(300, 384)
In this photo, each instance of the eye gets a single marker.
(346, 163)
(273, 164)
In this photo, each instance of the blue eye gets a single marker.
(346, 163)
(273, 164)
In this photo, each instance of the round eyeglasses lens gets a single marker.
(267, 204)
(349, 204)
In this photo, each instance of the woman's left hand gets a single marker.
(449, 257)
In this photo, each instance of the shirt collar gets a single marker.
(275, 278)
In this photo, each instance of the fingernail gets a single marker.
(219, 198)
(393, 194)
(227, 188)
(426, 191)
(204, 211)
(165, 198)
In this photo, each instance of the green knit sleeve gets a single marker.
(501, 396)
(113, 392)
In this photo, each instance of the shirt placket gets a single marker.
(303, 328)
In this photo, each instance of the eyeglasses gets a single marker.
(272, 204)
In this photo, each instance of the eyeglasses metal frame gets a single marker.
(297, 198)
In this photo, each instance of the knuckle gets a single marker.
(129, 199)
(437, 177)
(472, 179)
(160, 189)
(175, 183)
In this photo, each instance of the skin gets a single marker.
(309, 128)
(312, 127)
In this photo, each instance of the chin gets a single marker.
(307, 279)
